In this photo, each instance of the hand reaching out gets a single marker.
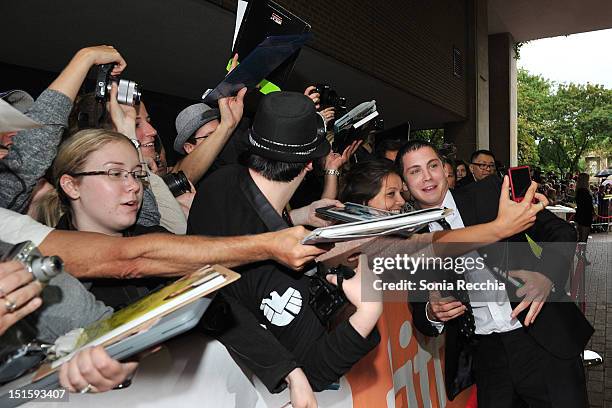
(514, 217)
(307, 215)
(285, 247)
(335, 161)
(231, 109)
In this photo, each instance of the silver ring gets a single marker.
(86, 389)
(10, 305)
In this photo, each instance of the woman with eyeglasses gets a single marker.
(98, 180)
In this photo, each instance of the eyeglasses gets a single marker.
(115, 174)
(484, 166)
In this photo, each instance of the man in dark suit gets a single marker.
(523, 354)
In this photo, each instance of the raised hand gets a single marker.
(335, 161)
(123, 116)
(104, 54)
(231, 109)
(513, 217)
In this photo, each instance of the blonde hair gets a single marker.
(71, 158)
(582, 181)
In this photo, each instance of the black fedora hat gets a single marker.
(287, 128)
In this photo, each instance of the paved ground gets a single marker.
(599, 313)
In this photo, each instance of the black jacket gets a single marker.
(560, 328)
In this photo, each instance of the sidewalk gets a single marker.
(599, 313)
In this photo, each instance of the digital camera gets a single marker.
(330, 98)
(327, 299)
(44, 268)
(128, 91)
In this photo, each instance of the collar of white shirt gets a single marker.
(454, 220)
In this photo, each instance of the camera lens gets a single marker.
(45, 268)
(177, 183)
(128, 92)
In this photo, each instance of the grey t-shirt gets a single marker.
(66, 303)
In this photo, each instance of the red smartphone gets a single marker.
(520, 180)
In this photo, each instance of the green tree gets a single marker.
(533, 124)
(434, 136)
(558, 124)
(581, 120)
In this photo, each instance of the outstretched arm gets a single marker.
(333, 165)
(33, 150)
(512, 218)
(96, 255)
(196, 163)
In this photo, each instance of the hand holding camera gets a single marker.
(104, 54)
(367, 314)
(514, 217)
(128, 92)
(123, 116)
(18, 294)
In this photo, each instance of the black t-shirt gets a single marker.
(229, 203)
(222, 208)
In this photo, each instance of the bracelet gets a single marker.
(332, 172)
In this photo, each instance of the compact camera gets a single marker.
(44, 268)
(19, 352)
(330, 98)
(128, 91)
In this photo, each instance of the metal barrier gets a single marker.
(603, 219)
(578, 294)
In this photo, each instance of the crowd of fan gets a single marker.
(96, 182)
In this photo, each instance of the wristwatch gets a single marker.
(332, 172)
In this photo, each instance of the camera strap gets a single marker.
(260, 204)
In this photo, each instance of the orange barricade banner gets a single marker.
(405, 370)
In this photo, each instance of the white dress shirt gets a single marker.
(492, 310)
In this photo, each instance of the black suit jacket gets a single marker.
(560, 328)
